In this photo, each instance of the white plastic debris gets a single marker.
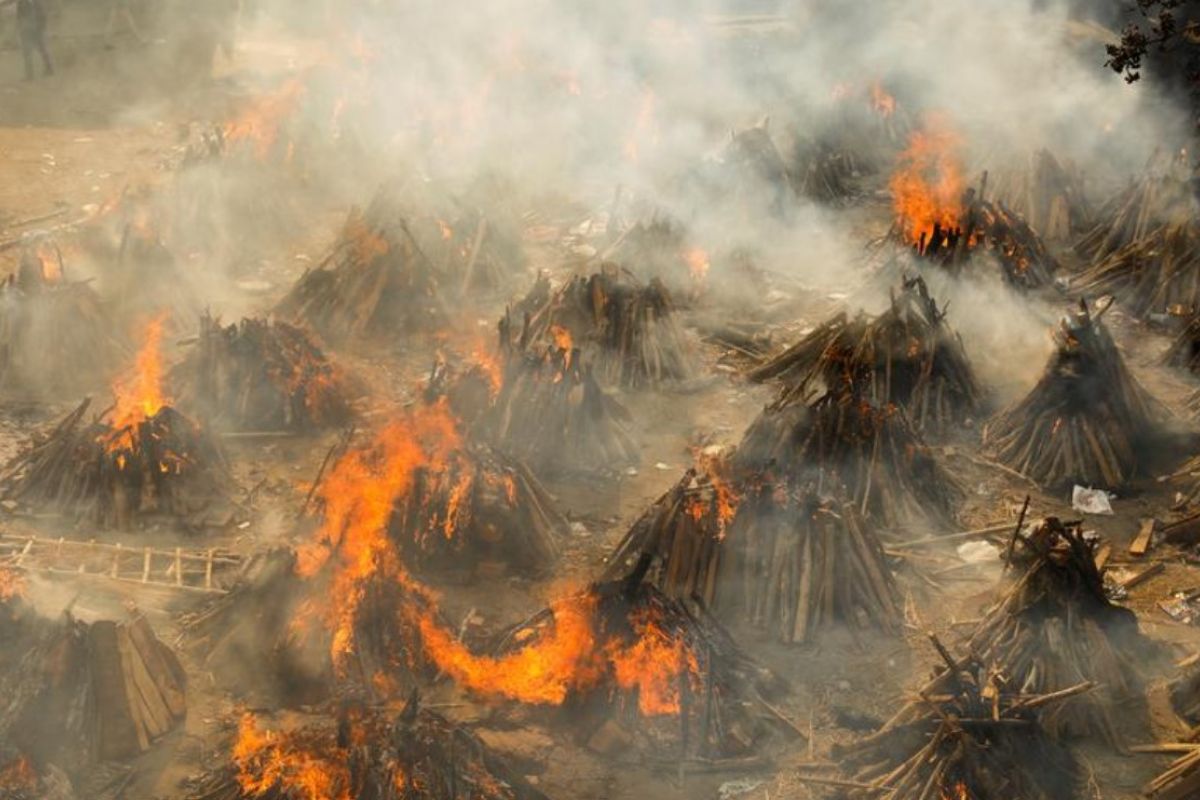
(579, 529)
(1091, 501)
(731, 789)
(978, 553)
(661, 465)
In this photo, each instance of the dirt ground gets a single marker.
(71, 142)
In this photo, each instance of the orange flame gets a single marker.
(51, 268)
(12, 585)
(262, 120)
(957, 792)
(269, 760)
(19, 776)
(697, 263)
(562, 338)
(927, 186)
(883, 103)
(140, 395)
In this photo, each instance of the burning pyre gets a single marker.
(386, 753)
(55, 334)
(907, 356)
(625, 662)
(776, 557)
(626, 329)
(138, 461)
(1087, 421)
(942, 221)
(261, 375)
(376, 281)
(1055, 628)
(969, 736)
(845, 444)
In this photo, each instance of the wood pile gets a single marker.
(83, 693)
(380, 753)
(1055, 627)
(1087, 421)
(907, 356)
(20, 779)
(1184, 352)
(1160, 196)
(147, 276)
(480, 251)
(164, 467)
(551, 413)
(376, 281)
(773, 557)
(673, 679)
(1048, 194)
(967, 736)
(1156, 274)
(844, 444)
(1180, 781)
(627, 330)
(659, 247)
(826, 172)
(56, 335)
(481, 507)
(261, 375)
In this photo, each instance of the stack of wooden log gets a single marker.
(552, 413)
(845, 444)
(260, 375)
(367, 752)
(83, 693)
(164, 467)
(987, 229)
(480, 508)
(1048, 194)
(1156, 274)
(56, 335)
(1055, 627)
(1160, 196)
(480, 251)
(1087, 421)
(778, 558)
(906, 356)
(1180, 781)
(967, 736)
(627, 330)
(824, 171)
(377, 280)
(702, 699)
(659, 247)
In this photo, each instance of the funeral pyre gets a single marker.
(774, 556)
(385, 753)
(1055, 627)
(1047, 193)
(939, 220)
(1087, 421)
(138, 461)
(907, 356)
(55, 334)
(376, 281)
(627, 330)
(967, 736)
(843, 443)
(260, 375)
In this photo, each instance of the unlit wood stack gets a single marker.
(163, 467)
(627, 330)
(907, 355)
(377, 281)
(1046, 193)
(1055, 627)
(1184, 352)
(1180, 781)
(363, 752)
(261, 375)
(1087, 421)
(966, 736)
(1158, 273)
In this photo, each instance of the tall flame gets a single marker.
(139, 394)
(268, 760)
(927, 186)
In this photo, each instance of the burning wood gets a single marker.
(481, 251)
(1055, 627)
(844, 441)
(1046, 193)
(1158, 273)
(943, 222)
(623, 660)
(138, 461)
(260, 375)
(377, 280)
(627, 330)
(775, 557)
(969, 736)
(1086, 421)
(1161, 198)
(55, 333)
(407, 752)
(907, 356)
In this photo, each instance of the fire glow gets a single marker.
(260, 123)
(269, 759)
(927, 185)
(140, 394)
